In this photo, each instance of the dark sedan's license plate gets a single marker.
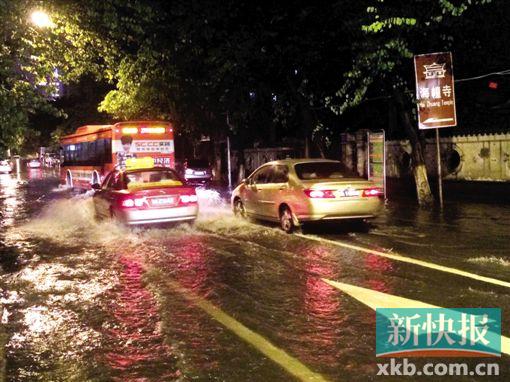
(163, 202)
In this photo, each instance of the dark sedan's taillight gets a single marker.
(132, 202)
(188, 199)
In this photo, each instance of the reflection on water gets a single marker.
(137, 351)
(81, 307)
(9, 198)
(50, 338)
(35, 173)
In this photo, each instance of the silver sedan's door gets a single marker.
(273, 192)
(251, 197)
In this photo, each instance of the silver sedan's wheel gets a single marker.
(286, 221)
(239, 210)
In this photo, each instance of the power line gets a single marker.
(501, 73)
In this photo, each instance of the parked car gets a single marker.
(5, 167)
(51, 160)
(145, 196)
(197, 171)
(293, 191)
(34, 163)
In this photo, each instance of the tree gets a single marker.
(25, 81)
(386, 36)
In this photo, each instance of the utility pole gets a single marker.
(229, 169)
(229, 165)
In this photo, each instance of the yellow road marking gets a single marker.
(410, 260)
(375, 299)
(289, 363)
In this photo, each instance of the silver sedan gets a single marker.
(293, 191)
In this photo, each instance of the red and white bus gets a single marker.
(93, 151)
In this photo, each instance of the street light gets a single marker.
(41, 19)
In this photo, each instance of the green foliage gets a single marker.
(275, 70)
(389, 35)
(23, 79)
(85, 38)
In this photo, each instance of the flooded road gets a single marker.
(226, 300)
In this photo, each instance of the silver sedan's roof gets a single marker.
(300, 160)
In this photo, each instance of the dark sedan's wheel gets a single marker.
(188, 223)
(239, 210)
(286, 221)
(98, 218)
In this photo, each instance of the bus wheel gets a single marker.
(69, 180)
(95, 178)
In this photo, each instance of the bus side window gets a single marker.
(108, 150)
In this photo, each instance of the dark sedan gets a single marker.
(145, 196)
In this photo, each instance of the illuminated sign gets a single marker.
(376, 163)
(145, 162)
(152, 130)
(162, 146)
(129, 130)
(434, 90)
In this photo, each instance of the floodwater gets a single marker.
(225, 300)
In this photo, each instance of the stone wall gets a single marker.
(482, 157)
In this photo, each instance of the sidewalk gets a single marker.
(453, 190)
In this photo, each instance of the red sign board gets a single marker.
(435, 91)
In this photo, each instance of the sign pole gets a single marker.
(439, 173)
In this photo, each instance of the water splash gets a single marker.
(71, 220)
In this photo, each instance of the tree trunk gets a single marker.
(423, 192)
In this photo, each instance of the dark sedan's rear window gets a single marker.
(152, 178)
(323, 170)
